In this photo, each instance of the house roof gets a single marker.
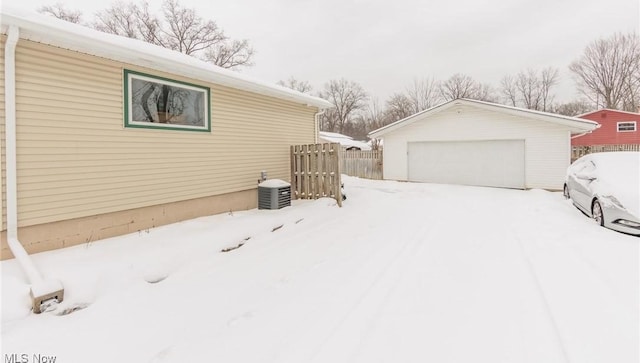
(343, 140)
(576, 125)
(609, 110)
(52, 31)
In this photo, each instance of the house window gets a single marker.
(626, 126)
(160, 103)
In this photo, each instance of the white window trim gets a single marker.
(635, 126)
(129, 75)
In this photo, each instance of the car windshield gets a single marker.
(619, 176)
(617, 165)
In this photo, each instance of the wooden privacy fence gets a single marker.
(578, 151)
(363, 164)
(315, 171)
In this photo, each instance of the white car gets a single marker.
(606, 187)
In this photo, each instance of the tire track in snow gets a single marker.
(592, 266)
(545, 300)
(410, 247)
(568, 272)
(370, 327)
(599, 274)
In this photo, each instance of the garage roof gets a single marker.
(344, 140)
(49, 30)
(576, 125)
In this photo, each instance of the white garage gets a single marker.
(478, 143)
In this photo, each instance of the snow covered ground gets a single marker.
(404, 272)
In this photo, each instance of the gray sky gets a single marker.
(384, 45)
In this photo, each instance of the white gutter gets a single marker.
(41, 290)
(585, 133)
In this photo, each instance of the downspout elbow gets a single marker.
(580, 135)
(316, 118)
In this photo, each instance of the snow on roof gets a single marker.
(576, 125)
(608, 110)
(334, 135)
(52, 31)
(344, 140)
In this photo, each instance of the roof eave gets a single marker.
(607, 109)
(65, 35)
(576, 125)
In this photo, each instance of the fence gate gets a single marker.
(315, 171)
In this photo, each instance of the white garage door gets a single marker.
(495, 163)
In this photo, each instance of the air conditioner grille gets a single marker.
(274, 194)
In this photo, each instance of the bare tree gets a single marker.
(230, 54)
(509, 90)
(180, 29)
(348, 97)
(484, 92)
(59, 11)
(399, 106)
(530, 89)
(375, 115)
(573, 108)
(300, 86)
(356, 128)
(423, 93)
(608, 72)
(463, 86)
(548, 79)
(457, 86)
(125, 19)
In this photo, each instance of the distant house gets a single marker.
(616, 128)
(107, 135)
(347, 142)
(480, 143)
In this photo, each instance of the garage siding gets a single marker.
(547, 145)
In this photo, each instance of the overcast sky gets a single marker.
(385, 44)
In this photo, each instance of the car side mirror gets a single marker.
(586, 176)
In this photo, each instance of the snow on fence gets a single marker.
(578, 151)
(315, 171)
(362, 164)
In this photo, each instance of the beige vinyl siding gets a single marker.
(3, 166)
(547, 148)
(76, 159)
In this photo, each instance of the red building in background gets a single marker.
(616, 128)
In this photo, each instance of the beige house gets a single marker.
(103, 135)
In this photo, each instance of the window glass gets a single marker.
(626, 126)
(154, 102)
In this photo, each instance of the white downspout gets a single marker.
(585, 133)
(40, 290)
(316, 117)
